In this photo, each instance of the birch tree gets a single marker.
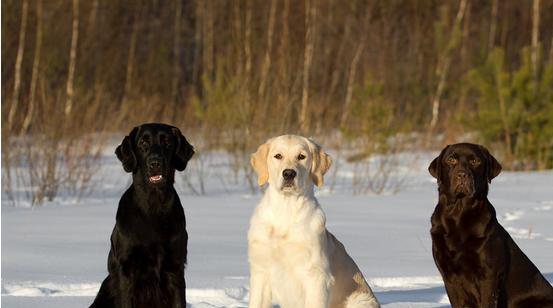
(69, 90)
(310, 16)
(18, 62)
(443, 68)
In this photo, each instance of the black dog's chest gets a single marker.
(154, 229)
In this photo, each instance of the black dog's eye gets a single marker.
(278, 156)
(301, 157)
(143, 143)
(474, 162)
(451, 160)
(165, 141)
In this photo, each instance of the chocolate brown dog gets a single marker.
(480, 263)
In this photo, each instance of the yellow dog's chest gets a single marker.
(288, 247)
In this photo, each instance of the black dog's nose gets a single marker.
(288, 174)
(154, 164)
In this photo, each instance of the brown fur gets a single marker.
(480, 263)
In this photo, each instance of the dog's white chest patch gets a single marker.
(287, 247)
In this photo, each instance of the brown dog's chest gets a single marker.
(458, 256)
(459, 235)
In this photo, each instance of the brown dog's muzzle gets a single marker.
(463, 183)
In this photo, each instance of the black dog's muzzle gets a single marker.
(155, 165)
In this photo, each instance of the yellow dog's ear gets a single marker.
(320, 163)
(258, 160)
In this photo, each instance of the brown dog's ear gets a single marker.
(258, 160)
(320, 164)
(125, 151)
(435, 167)
(493, 168)
(183, 150)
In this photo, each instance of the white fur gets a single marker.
(290, 250)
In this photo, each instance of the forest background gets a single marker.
(363, 77)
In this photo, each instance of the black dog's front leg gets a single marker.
(125, 300)
(176, 286)
(105, 298)
(119, 260)
(138, 270)
(176, 260)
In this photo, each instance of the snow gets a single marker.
(55, 255)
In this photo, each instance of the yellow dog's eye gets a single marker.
(451, 160)
(301, 157)
(278, 156)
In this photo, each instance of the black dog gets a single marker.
(480, 263)
(149, 241)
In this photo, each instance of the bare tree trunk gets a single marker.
(465, 39)
(351, 80)
(36, 63)
(503, 112)
(72, 60)
(237, 36)
(176, 55)
(445, 69)
(551, 51)
(346, 34)
(493, 25)
(248, 65)
(267, 58)
(207, 14)
(248, 39)
(92, 17)
(18, 62)
(198, 41)
(130, 59)
(535, 38)
(310, 15)
(354, 66)
(283, 72)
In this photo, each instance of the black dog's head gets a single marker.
(464, 170)
(153, 151)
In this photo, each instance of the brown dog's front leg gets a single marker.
(491, 292)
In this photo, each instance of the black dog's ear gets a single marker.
(435, 167)
(125, 151)
(183, 150)
(493, 167)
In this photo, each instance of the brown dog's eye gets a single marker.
(451, 160)
(474, 162)
(278, 156)
(301, 157)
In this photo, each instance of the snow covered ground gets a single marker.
(55, 255)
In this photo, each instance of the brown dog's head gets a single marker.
(464, 170)
(153, 151)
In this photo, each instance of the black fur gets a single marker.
(479, 262)
(149, 241)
